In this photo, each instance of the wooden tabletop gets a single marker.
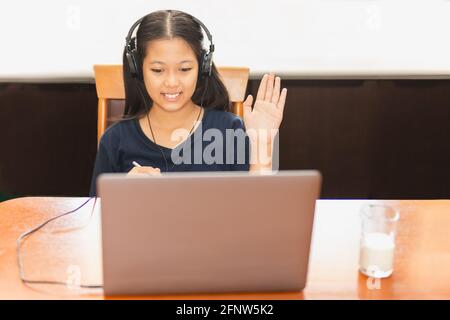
(70, 247)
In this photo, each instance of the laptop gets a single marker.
(207, 232)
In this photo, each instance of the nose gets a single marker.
(171, 80)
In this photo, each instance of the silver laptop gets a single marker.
(207, 232)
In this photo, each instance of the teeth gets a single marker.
(172, 96)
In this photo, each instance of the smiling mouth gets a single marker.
(171, 95)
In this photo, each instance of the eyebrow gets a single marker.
(160, 62)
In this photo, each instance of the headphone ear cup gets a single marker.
(131, 64)
(206, 63)
(132, 60)
(136, 66)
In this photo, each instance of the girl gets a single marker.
(176, 104)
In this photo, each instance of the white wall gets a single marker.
(61, 39)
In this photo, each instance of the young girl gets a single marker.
(176, 107)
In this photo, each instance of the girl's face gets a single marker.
(170, 71)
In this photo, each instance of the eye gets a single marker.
(186, 69)
(157, 70)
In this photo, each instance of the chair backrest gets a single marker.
(109, 84)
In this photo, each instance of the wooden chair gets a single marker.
(109, 84)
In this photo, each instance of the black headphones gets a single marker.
(205, 65)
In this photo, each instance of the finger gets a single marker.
(144, 169)
(282, 100)
(262, 88)
(248, 104)
(136, 171)
(276, 90)
(269, 88)
(151, 171)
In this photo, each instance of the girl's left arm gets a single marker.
(263, 121)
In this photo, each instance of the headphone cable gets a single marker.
(28, 233)
(148, 111)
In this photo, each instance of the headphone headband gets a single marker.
(130, 33)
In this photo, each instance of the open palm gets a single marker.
(267, 112)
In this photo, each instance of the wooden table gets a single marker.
(70, 247)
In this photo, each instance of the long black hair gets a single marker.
(168, 24)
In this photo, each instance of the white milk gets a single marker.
(377, 254)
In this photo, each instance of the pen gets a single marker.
(136, 164)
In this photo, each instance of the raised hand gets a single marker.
(267, 113)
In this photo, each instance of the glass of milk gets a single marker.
(378, 231)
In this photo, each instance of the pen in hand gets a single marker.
(147, 170)
(136, 164)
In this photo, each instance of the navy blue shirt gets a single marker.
(219, 143)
